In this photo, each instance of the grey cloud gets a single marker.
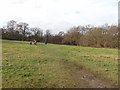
(77, 12)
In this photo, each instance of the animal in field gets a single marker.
(33, 42)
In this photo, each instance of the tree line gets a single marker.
(102, 36)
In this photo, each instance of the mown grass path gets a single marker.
(57, 66)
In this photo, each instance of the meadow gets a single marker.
(57, 66)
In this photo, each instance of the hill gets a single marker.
(57, 66)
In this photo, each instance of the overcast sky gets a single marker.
(59, 15)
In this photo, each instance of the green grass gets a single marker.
(40, 66)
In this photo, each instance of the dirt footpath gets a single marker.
(82, 76)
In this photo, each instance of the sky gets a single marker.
(59, 15)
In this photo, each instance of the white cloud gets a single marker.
(59, 14)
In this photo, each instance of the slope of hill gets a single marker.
(57, 66)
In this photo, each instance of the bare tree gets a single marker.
(61, 33)
(11, 25)
(37, 31)
(22, 27)
(72, 36)
(47, 35)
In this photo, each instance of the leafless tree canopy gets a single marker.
(102, 36)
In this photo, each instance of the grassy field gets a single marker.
(57, 66)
